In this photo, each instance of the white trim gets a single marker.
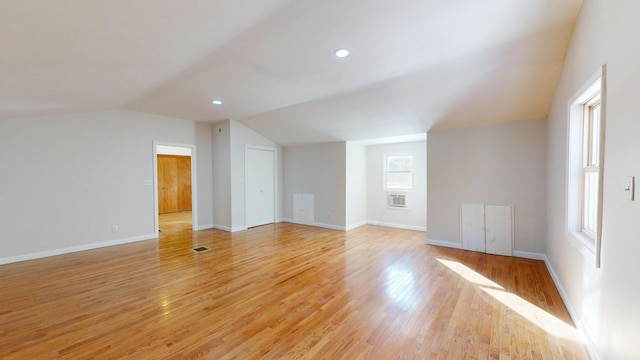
(329, 226)
(529, 255)
(356, 225)
(223, 228)
(194, 184)
(239, 228)
(595, 84)
(287, 220)
(444, 244)
(205, 227)
(587, 340)
(73, 249)
(397, 226)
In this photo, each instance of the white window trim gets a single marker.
(413, 172)
(589, 247)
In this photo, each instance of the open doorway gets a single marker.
(174, 168)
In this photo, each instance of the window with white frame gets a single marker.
(399, 172)
(590, 167)
(585, 160)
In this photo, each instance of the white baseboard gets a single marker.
(356, 225)
(287, 220)
(448, 244)
(221, 227)
(73, 249)
(228, 229)
(584, 333)
(205, 227)
(329, 226)
(397, 226)
(529, 255)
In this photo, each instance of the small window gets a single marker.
(590, 167)
(399, 174)
(585, 156)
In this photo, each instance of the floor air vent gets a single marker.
(200, 249)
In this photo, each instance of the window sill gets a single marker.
(583, 244)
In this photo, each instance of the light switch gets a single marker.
(631, 187)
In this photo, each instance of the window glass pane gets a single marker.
(590, 210)
(400, 163)
(400, 180)
(595, 135)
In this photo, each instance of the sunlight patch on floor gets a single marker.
(547, 322)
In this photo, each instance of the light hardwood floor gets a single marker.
(283, 291)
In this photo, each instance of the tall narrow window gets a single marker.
(590, 167)
(584, 187)
(399, 172)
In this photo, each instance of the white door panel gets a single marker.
(259, 187)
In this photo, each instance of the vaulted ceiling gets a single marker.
(415, 65)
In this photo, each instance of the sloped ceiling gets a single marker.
(415, 65)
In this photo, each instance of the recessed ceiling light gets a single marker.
(216, 102)
(341, 53)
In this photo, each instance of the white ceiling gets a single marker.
(415, 65)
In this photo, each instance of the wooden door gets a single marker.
(167, 184)
(174, 183)
(184, 183)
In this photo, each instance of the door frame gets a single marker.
(275, 179)
(194, 185)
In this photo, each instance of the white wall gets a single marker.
(67, 179)
(204, 168)
(605, 300)
(319, 170)
(503, 163)
(356, 186)
(221, 175)
(377, 210)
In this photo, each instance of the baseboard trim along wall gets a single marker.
(397, 226)
(448, 244)
(329, 226)
(356, 225)
(584, 333)
(73, 249)
(205, 227)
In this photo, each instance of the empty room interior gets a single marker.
(290, 179)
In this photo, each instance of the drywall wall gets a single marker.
(241, 136)
(503, 163)
(604, 300)
(415, 217)
(204, 173)
(67, 179)
(221, 177)
(319, 170)
(356, 185)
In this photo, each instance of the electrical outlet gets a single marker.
(114, 228)
(147, 182)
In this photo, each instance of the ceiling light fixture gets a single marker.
(342, 53)
(216, 102)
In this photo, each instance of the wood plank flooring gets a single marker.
(283, 291)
